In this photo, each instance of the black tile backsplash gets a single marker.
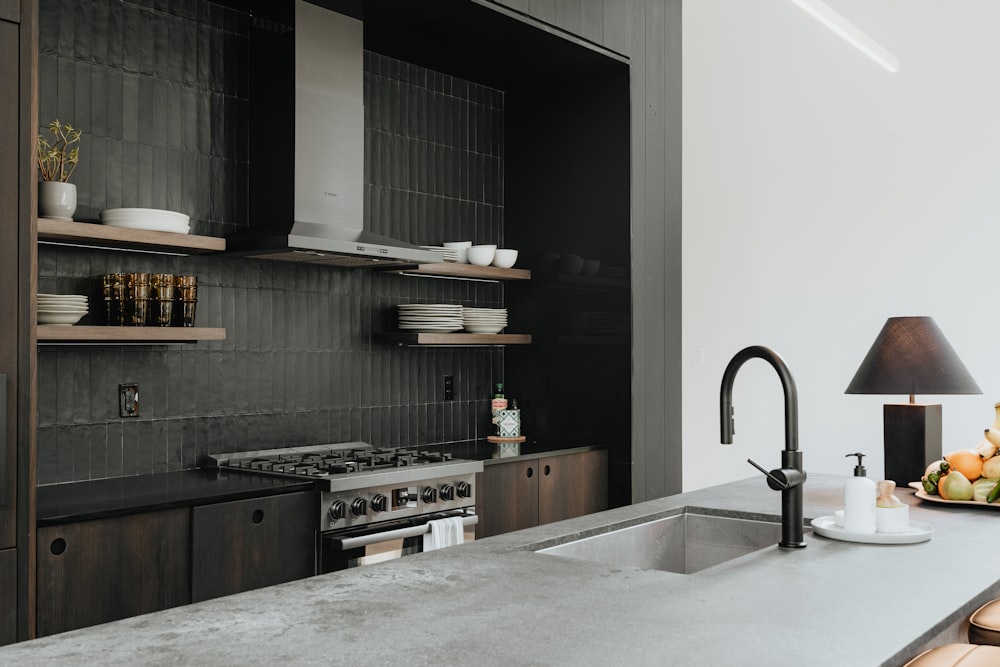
(160, 93)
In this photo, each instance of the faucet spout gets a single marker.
(790, 477)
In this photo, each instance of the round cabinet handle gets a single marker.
(548, 470)
(58, 546)
(531, 471)
(257, 516)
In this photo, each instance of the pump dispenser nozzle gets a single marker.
(859, 470)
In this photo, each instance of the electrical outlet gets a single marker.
(128, 400)
(449, 387)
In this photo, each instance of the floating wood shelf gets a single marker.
(48, 333)
(106, 236)
(456, 270)
(457, 339)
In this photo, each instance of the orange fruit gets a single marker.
(966, 461)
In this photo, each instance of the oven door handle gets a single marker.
(344, 543)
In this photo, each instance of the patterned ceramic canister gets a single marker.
(509, 423)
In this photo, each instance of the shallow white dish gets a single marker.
(57, 310)
(918, 532)
(62, 319)
(923, 495)
(151, 212)
(483, 328)
(152, 226)
(429, 329)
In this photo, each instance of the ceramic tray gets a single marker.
(918, 532)
(923, 495)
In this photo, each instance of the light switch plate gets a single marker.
(128, 400)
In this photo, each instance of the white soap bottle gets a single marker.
(859, 501)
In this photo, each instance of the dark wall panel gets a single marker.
(165, 128)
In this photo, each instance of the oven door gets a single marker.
(339, 550)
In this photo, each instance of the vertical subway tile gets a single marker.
(159, 445)
(47, 455)
(98, 438)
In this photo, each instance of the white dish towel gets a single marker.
(444, 533)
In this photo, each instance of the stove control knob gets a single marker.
(447, 492)
(359, 507)
(464, 490)
(337, 510)
(379, 503)
(429, 495)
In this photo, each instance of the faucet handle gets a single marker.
(781, 479)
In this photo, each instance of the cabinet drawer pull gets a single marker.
(58, 546)
(257, 516)
(531, 471)
(548, 470)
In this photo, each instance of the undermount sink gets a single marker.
(684, 543)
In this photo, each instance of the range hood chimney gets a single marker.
(307, 144)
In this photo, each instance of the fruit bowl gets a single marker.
(923, 495)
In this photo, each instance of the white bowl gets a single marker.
(482, 255)
(461, 249)
(64, 319)
(505, 258)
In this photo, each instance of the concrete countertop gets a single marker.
(495, 602)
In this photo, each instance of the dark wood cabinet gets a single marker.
(9, 266)
(8, 596)
(92, 572)
(98, 571)
(507, 497)
(572, 485)
(246, 544)
(529, 492)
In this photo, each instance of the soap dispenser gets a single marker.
(859, 500)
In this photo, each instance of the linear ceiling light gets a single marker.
(826, 15)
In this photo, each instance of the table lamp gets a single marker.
(911, 356)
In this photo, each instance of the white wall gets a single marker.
(822, 195)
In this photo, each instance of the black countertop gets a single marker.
(79, 501)
(490, 453)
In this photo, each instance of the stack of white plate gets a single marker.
(151, 219)
(484, 320)
(447, 254)
(63, 309)
(430, 317)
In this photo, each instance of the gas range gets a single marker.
(363, 485)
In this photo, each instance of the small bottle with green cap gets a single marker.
(498, 403)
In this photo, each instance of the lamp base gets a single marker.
(912, 433)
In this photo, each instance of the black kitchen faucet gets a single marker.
(790, 477)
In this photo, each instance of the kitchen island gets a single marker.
(496, 602)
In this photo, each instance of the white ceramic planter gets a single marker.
(56, 200)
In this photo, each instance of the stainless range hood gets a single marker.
(316, 212)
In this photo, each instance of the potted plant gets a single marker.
(57, 161)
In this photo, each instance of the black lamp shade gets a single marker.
(912, 356)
